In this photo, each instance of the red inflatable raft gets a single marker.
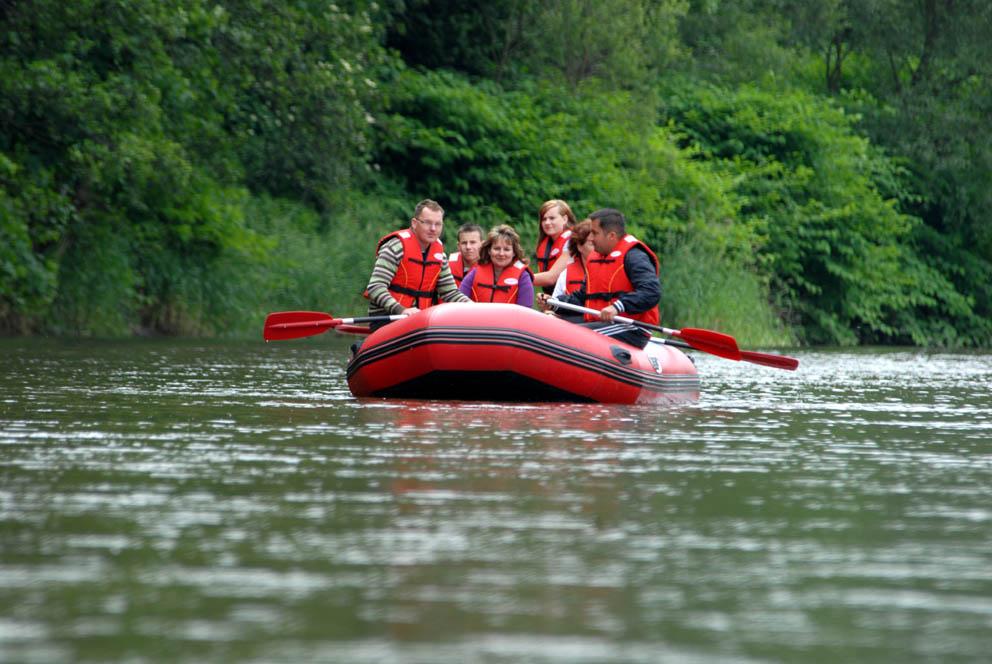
(505, 352)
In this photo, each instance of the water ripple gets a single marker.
(235, 500)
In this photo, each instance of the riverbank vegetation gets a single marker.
(810, 172)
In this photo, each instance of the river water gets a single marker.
(231, 501)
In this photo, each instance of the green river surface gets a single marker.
(176, 500)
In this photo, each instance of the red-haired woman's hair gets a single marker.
(579, 236)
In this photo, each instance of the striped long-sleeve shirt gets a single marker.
(381, 301)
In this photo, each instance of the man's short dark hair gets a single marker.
(610, 220)
(470, 228)
(429, 204)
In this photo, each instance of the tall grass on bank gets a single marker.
(315, 264)
(703, 289)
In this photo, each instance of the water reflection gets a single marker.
(236, 502)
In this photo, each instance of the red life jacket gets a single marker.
(575, 275)
(548, 252)
(415, 282)
(608, 280)
(486, 289)
(457, 265)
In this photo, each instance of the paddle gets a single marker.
(362, 330)
(708, 341)
(766, 359)
(770, 360)
(282, 325)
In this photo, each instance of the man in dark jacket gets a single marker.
(623, 280)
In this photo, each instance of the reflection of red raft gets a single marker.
(505, 352)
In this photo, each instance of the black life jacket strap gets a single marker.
(604, 296)
(423, 262)
(411, 291)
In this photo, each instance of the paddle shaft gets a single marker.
(714, 343)
(369, 319)
(707, 341)
(620, 319)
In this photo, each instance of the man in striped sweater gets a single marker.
(411, 269)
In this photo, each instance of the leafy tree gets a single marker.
(302, 80)
(618, 41)
(623, 42)
(133, 131)
(917, 76)
(480, 39)
(167, 165)
(494, 155)
(840, 253)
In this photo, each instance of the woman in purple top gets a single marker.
(502, 274)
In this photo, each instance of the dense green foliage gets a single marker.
(837, 249)
(809, 171)
(135, 133)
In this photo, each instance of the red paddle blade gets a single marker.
(345, 328)
(769, 360)
(283, 325)
(708, 341)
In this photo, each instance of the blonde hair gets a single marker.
(562, 207)
(506, 233)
